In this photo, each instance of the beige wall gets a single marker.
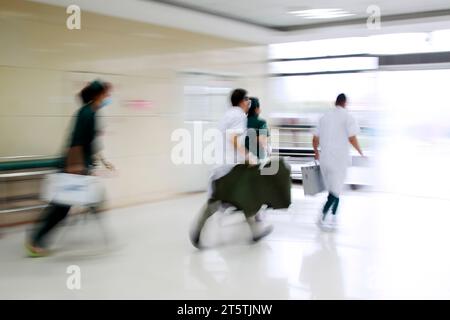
(43, 65)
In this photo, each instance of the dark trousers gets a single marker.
(52, 215)
(332, 202)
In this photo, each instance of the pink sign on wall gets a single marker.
(138, 104)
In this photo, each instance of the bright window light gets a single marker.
(399, 43)
(440, 40)
(321, 13)
(395, 43)
(324, 65)
(318, 48)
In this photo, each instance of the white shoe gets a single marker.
(333, 221)
(259, 217)
(323, 222)
(260, 230)
(321, 219)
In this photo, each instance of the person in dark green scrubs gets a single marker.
(258, 144)
(78, 159)
(257, 137)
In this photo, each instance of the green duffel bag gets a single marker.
(247, 189)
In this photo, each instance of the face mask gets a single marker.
(105, 102)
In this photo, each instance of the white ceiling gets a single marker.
(266, 21)
(273, 13)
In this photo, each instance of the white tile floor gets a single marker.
(388, 246)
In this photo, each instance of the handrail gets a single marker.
(24, 170)
(14, 210)
(13, 158)
(26, 174)
(294, 152)
(294, 127)
(30, 164)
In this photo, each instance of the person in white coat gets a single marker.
(233, 128)
(336, 130)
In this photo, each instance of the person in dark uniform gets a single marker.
(257, 138)
(257, 127)
(78, 159)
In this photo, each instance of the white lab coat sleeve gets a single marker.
(237, 125)
(352, 126)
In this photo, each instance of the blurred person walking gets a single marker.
(335, 130)
(259, 126)
(233, 127)
(78, 159)
(257, 139)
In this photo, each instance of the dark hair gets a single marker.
(93, 90)
(341, 98)
(237, 96)
(253, 106)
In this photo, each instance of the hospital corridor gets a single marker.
(211, 150)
